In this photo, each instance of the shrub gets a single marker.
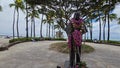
(46, 38)
(82, 64)
(36, 39)
(88, 40)
(114, 42)
(20, 39)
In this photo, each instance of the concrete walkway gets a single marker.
(104, 56)
(37, 55)
(31, 55)
(3, 41)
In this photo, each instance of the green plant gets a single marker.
(88, 40)
(82, 64)
(20, 39)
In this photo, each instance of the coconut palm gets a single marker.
(18, 5)
(111, 17)
(104, 25)
(48, 23)
(105, 19)
(50, 16)
(41, 11)
(32, 13)
(111, 6)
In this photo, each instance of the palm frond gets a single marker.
(11, 5)
(113, 16)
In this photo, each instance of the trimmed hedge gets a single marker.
(112, 42)
(106, 42)
(88, 40)
(20, 39)
(34, 39)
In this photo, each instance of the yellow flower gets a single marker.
(19, 1)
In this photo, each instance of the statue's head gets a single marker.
(77, 15)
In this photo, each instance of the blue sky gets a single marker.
(6, 17)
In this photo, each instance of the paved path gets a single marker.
(37, 55)
(3, 41)
(104, 56)
(31, 55)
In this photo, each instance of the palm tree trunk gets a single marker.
(31, 28)
(99, 26)
(49, 30)
(41, 27)
(108, 38)
(104, 31)
(34, 26)
(87, 35)
(108, 28)
(91, 30)
(59, 33)
(17, 23)
(14, 24)
(26, 21)
(52, 29)
(104, 24)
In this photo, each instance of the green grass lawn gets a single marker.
(63, 47)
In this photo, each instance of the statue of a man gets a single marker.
(75, 39)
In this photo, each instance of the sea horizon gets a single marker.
(4, 35)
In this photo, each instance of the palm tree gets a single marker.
(42, 10)
(50, 16)
(18, 4)
(13, 22)
(104, 25)
(32, 13)
(110, 18)
(49, 22)
(110, 7)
